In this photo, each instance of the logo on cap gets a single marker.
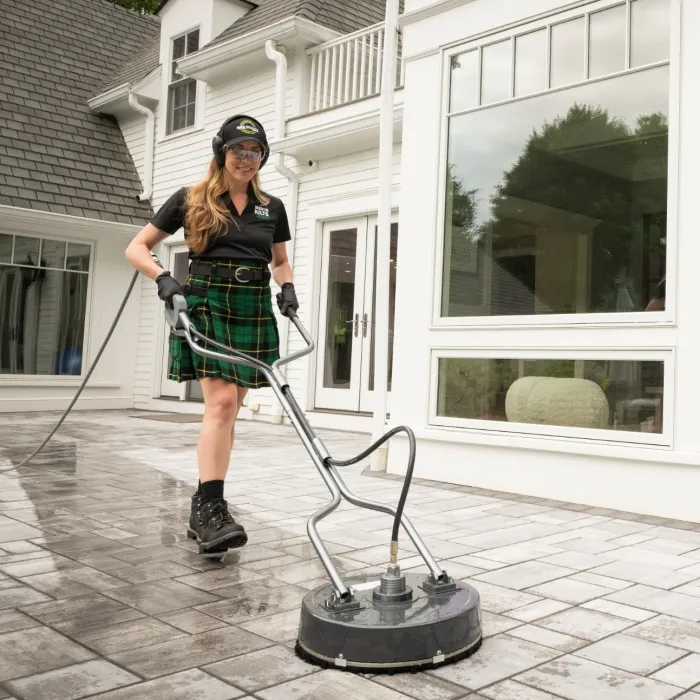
(247, 127)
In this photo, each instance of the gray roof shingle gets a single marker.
(342, 16)
(138, 68)
(54, 54)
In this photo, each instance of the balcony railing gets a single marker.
(348, 68)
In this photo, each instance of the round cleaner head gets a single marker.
(381, 633)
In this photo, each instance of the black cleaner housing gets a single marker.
(430, 630)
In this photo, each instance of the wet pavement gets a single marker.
(102, 595)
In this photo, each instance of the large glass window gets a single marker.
(557, 203)
(616, 395)
(43, 298)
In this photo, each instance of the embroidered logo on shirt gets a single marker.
(262, 212)
(247, 127)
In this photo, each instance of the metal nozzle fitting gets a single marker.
(394, 552)
(392, 587)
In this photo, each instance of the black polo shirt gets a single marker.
(250, 235)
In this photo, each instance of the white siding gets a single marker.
(183, 160)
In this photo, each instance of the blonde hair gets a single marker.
(206, 214)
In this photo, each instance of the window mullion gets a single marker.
(628, 35)
(587, 47)
(548, 62)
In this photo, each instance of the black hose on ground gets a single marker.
(335, 462)
(406, 481)
(87, 376)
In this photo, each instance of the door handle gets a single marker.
(355, 324)
(364, 325)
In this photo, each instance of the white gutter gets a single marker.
(432, 9)
(386, 143)
(280, 60)
(150, 144)
(288, 28)
(114, 95)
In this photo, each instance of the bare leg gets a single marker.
(211, 523)
(221, 405)
(241, 396)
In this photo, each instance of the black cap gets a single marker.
(243, 129)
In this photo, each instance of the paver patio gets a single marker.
(102, 595)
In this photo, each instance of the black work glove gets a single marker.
(167, 288)
(287, 300)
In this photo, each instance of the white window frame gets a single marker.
(663, 439)
(602, 320)
(169, 132)
(58, 378)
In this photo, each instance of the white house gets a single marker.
(543, 195)
(547, 188)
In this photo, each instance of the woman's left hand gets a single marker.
(287, 300)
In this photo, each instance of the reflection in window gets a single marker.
(42, 306)
(6, 248)
(632, 34)
(53, 253)
(340, 306)
(557, 204)
(78, 257)
(620, 395)
(496, 67)
(26, 250)
(530, 62)
(464, 81)
(568, 40)
(607, 41)
(651, 31)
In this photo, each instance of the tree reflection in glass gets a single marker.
(557, 204)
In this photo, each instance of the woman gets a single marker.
(235, 234)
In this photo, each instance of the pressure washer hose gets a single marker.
(329, 460)
(87, 376)
(406, 481)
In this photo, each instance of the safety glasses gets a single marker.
(243, 153)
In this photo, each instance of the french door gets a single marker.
(345, 366)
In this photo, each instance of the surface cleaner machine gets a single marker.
(389, 623)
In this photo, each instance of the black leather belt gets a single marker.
(240, 273)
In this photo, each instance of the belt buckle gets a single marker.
(238, 279)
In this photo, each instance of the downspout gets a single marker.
(280, 60)
(379, 458)
(150, 141)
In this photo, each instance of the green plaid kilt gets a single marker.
(236, 314)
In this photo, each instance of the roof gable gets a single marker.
(340, 15)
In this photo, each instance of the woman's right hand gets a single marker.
(168, 287)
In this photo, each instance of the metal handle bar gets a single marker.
(182, 326)
(179, 321)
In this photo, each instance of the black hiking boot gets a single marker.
(197, 503)
(215, 530)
